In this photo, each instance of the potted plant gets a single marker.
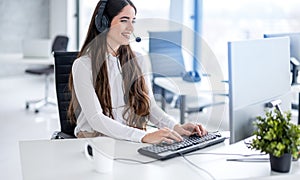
(278, 137)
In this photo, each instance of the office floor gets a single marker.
(18, 124)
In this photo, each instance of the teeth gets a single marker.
(126, 35)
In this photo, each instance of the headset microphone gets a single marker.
(137, 39)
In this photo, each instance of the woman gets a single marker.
(110, 95)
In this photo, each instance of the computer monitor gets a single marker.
(294, 51)
(259, 73)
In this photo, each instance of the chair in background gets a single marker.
(62, 66)
(60, 43)
(166, 59)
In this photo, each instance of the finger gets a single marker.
(186, 132)
(173, 135)
(197, 129)
(167, 140)
(202, 129)
(177, 135)
(170, 134)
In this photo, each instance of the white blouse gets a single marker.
(92, 119)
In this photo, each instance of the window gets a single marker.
(86, 9)
(231, 20)
(152, 9)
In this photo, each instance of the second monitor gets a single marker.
(259, 72)
(294, 51)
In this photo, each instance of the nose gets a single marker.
(130, 27)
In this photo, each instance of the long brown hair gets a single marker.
(137, 101)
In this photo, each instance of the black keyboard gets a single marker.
(165, 151)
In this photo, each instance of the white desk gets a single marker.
(183, 88)
(18, 58)
(64, 159)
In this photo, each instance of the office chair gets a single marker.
(62, 65)
(60, 43)
(166, 59)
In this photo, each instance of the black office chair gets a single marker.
(62, 66)
(60, 43)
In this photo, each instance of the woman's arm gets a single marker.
(162, 120)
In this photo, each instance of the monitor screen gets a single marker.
(259, 73)
(294, 42)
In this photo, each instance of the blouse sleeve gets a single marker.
(91, 108)
(157, 116)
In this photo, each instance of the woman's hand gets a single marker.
(162, 135)
(189, 129)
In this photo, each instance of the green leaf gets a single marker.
(275, 134)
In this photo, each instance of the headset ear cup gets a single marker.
(97, 23)
(101, 24)
(104, 23)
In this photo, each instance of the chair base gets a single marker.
(38, 104)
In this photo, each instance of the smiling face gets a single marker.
(121, 27)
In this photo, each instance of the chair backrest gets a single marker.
(62, 67)
(60, 43)
(165, 53)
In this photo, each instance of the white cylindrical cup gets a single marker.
(100, 151)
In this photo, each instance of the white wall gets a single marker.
(21, 20)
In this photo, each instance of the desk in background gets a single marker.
(183, 88)
(15, 64)
(64, 159)
(18, 58)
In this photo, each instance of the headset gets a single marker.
(101, 20)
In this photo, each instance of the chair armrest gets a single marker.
(61, 135)
(295, 61)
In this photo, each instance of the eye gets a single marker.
(123, 20)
